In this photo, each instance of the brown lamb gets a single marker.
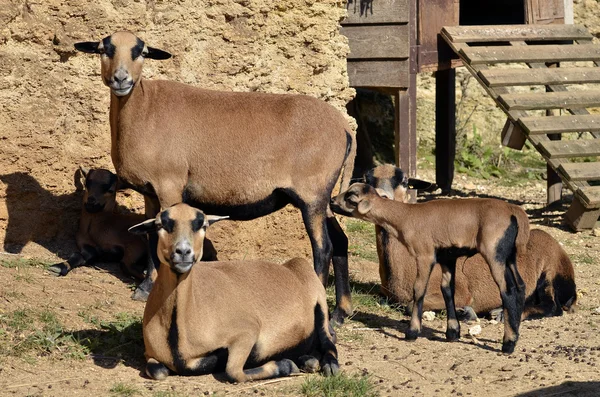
(544, 266)
(436, 232)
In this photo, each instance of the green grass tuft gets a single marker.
(362, 236)
(24, 263)
(28, 333)
(341, 385)
(121, 389)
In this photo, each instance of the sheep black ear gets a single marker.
(79, 177)
(144, 227)
(91, 47)
(155, 53)
(84, 171)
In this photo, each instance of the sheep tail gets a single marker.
(523, 226)
(348, 161)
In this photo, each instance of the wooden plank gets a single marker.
(559, 124)
(518, 77)
(590, 196)
(532, 53)
(581, 171)
(575, 148)
(378, 73)
(433, 15)
(380, 11)
(498, 33)
(377, 41)
(551, 100)
(545, 11)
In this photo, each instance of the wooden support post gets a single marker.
(445, 127)
(579, 217)
(406, 130)
(553, 181)
(512, 135)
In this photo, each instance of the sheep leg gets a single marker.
(340, 268)
(151, 209)
(239, 351)
(326, 341)
(133, 262)
(447, 286)
(322, 248)
(87, 255)
(466, 313)
(425, 264)
(512, 292)
(209, 253)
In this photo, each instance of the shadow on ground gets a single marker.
(567, 389)
(114, 343)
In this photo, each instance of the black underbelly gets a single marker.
(274, 202)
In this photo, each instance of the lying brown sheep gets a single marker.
(102, 233)
(545, 267)
(205, 317)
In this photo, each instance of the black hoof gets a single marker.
(338, 316)
(466, 314)
(140, 295)
(412, 334)
(286, 367)
(452, 335)
(157, 371)
(508, 347)
(497, 315)
(331, 368)
(309, 364)
(60, 269)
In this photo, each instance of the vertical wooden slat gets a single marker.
(445, 127)
(553, 181)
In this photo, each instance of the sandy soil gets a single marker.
(555, 356)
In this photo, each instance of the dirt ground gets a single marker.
(554, 356)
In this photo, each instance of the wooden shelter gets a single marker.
(393, 40)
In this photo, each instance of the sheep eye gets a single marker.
(351, 197)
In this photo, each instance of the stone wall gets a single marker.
(54, 107)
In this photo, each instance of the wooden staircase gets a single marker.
(560, 139)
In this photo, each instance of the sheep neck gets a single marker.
(386, 214)
(169, 290)
(117, 105)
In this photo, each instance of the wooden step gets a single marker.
(551, 100)
(590, 196)
(581, 171)
(496, 33)
(531, 53)
(558, 124)
(512, 77)
(571, 148)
